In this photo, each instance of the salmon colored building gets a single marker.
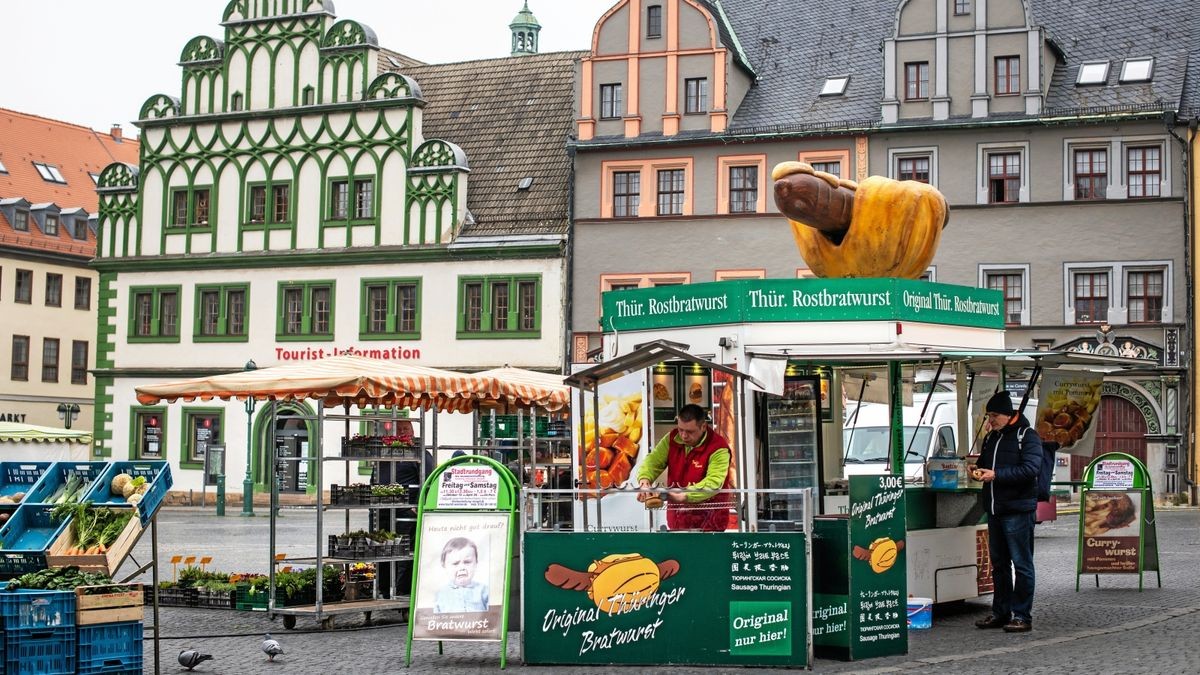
(48, 294)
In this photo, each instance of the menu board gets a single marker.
(684, 598)
(878, 566)
(1111, 531)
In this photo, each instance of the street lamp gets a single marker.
(248, 483)
(67, 412)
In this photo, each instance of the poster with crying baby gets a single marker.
(461, 588)
(607, 455)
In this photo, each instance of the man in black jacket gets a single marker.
(1009, 463)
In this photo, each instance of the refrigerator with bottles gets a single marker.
(791, 449)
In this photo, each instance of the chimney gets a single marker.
(115, 132)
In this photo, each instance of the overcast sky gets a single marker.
(95, 63)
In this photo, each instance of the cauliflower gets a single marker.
(119, 482)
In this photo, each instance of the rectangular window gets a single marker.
(81, 229)
(179, 208)
(390, 308)
(79, 361)
(696, 100)
(235, 311)
(149, 427)
(51, 227)
(916, 80)
(610, 101)
(670, 192)
(21, 220)
(24, 287)
(499, 307)
(305, 311)
(1004, 177)
(1010, 284)
(1144, 171)
(49, 359)
(200, 205)
(258, 204)
(339, 200)
(913, 168)
(1008, 75)
(962, 7)
(210, 312)
(743, 189)
(281, 203)
(1144, 297)
(626, 194)
(364, 198)
(831, 168)
(1091, 173)
(654, 21)
(154, 314)
(202, 428)
(20, 358)
(1091, 297)
(54, 290)
(83, 293)
(293, 303)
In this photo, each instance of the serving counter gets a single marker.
(947, 544)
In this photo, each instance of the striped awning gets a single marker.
(347, 380)
(529, 387)
(31, 433)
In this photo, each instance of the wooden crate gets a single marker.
(102, 563)
(122, 602)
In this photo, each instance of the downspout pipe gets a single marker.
(1171, 121)
(569, 267)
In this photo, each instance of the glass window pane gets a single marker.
(236, 312)
(406, 308)
(500, 306)
(377, 307)
(320, 310)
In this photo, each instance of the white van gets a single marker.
(865, 440)
(867, 435)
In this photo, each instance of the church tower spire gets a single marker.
(525, 28)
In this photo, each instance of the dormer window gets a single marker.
(49, 173)
(835, 86)
(654, 21)
(1137, 70)
(80, 229)
(1093, 73)
(20, 220)
(51, 227)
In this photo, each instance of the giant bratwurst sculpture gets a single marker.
(877, 228)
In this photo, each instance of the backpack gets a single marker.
(1046, 475)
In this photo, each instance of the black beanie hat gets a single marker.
(1000, 403)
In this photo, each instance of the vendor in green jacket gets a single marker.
(696, 459)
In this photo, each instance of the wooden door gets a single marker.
(1121, 428)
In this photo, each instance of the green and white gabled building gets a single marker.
(310, 194)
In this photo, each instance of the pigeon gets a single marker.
(190, 658)
(271, 647)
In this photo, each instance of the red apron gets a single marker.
(686, 468)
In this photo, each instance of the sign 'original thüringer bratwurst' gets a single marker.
(783, 300)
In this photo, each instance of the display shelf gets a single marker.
(312, 560)
(346, 607)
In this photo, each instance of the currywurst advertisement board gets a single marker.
(1117, 529)
(681, 598)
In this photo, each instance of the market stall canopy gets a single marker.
(645, 356)
(338, 380)
(11, 432)
(529, 387)
(355, 380)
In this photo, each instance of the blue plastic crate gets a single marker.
(41, 651)
(58, 474)
(20, 476)
(111, 648)
(26, 537)
(156, 472)
(37, 610)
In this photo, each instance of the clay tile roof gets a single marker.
(76, 151)
(512, 117)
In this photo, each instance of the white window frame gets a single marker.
(986, 269)
(1127, 77)
(896, 154)
(1118, 276)
(835, 85)
(1114, 189)
(1080, 82)
(983, 151)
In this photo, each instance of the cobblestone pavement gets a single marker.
(1107, 630)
